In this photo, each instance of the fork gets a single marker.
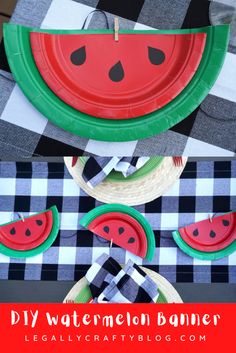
(178, 161)
(74, 161)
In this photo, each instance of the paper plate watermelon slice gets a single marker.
(31, 235)
(117, 80)
(209, 239)
(123, 226)
(23, 66)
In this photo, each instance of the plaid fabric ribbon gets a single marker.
(109, 283)
(97, 169)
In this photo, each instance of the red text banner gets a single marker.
(117, 327)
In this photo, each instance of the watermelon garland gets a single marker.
(210, 239)
(124, 226)
(91, 98)
(29, 236)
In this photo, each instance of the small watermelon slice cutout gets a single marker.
(117, 80)
(123, 229)
(124, 226)
(209, 239)
(24, 69)
(27, 233)
(31, 235)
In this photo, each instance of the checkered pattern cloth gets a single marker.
(97, 169)
(114, 284)
(204, 188)
(104, 267)
(209, 130)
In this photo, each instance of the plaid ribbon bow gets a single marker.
(110, 283)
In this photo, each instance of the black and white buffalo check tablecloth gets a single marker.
(210, 130)
(205, 188)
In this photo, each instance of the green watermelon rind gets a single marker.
(85, 295)
(42, 247)
(100, 210)
(26, 74)
(210, 256)
(115, 176)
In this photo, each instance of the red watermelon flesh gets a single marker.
(211, 236)
(28, 233)
(123, 230)
(117, 80)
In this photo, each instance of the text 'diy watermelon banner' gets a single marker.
(117, 327)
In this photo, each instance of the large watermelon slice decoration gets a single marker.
(123, 226)
(31, 235)
(209, 239)
(117, 80)
(62, 78)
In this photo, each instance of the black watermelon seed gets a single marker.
(116, 73)
(12, 231)
(156, 56)
(39, 222)
(106, 229)
(195, 232)
(27, 232)
(131, 240)
(121, 230)
(212, 234)
(225, 223)
(78, 56)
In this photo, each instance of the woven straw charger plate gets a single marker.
(133, 191)
(80, 292)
